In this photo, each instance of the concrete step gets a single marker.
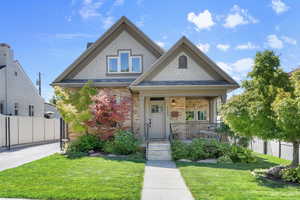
(159, 150)
(159, 147)
(159, 155)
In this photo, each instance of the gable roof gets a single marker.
(194, 49)
(122, 24)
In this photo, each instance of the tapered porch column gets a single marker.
(142, 115)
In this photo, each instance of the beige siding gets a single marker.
(171, 72)
(96, 69)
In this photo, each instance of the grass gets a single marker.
(235, 182)
(57, 177)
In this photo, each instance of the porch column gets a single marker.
(213, 110)
(142, 115)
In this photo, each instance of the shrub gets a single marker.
(109, 147)
(241, 154)
(83, 145)
(224, 159)
(123, 143)
(291, 174)
(180, 150)
(197, 151)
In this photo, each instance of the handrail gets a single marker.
(147, 138)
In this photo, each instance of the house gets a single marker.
(178, 86)
(18, 95)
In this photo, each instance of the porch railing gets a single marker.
(191, 130)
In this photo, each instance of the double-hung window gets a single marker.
(124, 62)
(198, 115)
(31, 110)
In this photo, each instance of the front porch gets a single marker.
(182, 115)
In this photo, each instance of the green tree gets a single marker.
(74, 106)
(251, 113)
(287, 111)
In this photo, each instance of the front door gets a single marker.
(157, 120)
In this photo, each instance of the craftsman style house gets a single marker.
(181, 85)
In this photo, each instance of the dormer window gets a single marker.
(124, 62)
(182, 62)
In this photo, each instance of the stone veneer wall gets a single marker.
(177, 113)
(193, 104)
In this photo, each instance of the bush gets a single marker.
(83, 145)
(197, 151)
(241, 154)
(123, 143)
(291, 174)
(203, 149)
(224, 159)
(180, 150)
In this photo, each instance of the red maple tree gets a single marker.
(109, 114)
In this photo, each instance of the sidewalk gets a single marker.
(163, 181)
(15, 157)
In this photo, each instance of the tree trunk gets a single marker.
(295, 161)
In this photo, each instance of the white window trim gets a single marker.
(118, 57)
(140, 57)
(196, 115)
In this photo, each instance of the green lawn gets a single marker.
(235, 182)
(57, 177)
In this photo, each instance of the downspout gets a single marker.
(131, 110)
(6, 107)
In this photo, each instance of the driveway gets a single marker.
(20, 156)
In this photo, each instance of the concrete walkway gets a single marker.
(163, 181)
(16, 157)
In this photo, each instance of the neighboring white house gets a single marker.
(18, 95)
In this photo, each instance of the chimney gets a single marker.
(89, 44)
(6, 54)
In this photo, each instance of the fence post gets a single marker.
(265, 147)
(8, 131)
(279, 149)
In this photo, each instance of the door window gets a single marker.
(156, 108)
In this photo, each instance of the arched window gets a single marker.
(182, 62)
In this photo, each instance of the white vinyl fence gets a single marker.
(272, 147)
(17, 130)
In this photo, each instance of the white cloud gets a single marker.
(247, 46)
(107, 21)
(225, 67)
(204, 47)
(161, 44)
(289, 40)
(203, 20)
(274, 42)
(279, 6)
(118, 2)
(69, 36)
(90, 9)
(239, 69)
(223, 47)
(238, 16)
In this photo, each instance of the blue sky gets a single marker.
(48, 35)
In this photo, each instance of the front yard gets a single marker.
(57, 177)
(235, 182)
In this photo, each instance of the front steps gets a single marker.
(159, 150)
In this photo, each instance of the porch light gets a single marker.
(173, 102)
